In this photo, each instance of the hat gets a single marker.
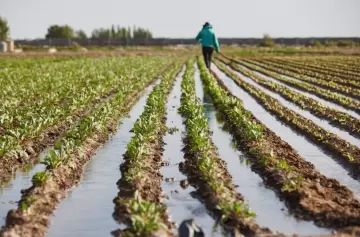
(206, 24)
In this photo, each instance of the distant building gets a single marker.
(3, 46)
(10, 45)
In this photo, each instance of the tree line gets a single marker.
(113, 32)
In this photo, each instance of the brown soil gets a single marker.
(347, 122)
(351, 106)
(247, 226)
(207, 194)
(43, 200)
(148, 186)
(306, 126)
(323, 200)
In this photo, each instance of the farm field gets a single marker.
(134, 145)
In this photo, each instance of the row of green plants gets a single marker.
(26, 140)
(65, 162)
(291, 71)
(251, 130)
(338, 65)
(327, 73)
(344, 101)
(144, 213)
(350, 154)
(203, 165)
(295, 180)
(341, 119)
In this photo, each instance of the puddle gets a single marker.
(10, 193)
(87, 210)
(271, 212)
(311, 153)
(181, 205)
(321, 123)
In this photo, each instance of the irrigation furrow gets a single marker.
(326, 103)
(346, 153)
(300, 75)
(29, 148)
(321, 159)
(139, 202)
(64, 165)
(92, 199)
(329, 67)
(344, 101)
(319, 72)
(180, 201)
(342, 120)
(270, 211)
(308, 194)
(206, 171)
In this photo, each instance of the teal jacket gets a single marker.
(208, 38)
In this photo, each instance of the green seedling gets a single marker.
(39, 179)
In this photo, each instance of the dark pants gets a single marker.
(207, 52)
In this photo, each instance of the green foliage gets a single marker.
(4, 29)
(316, 43)
(60, 32)
(145, 216)
(345, 43)
(200, 144)
(121, 33)
(80, 34)
(39, 178)
(267, 41)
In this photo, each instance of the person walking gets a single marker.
(208, 41)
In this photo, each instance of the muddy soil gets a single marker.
(320, 199)
(35, 220)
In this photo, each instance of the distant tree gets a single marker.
(121, 33)
(4, 29)
(101, 33)
(60, 32)
(330, 43)
(141, 33)
(316, 43)
(267, 41)
(80, 34)
(113, 32)
(345, 43)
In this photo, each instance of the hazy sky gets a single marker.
(183, 18)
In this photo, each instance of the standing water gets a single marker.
(93, 198)
(271, 212)
(10, 194)
(311, 153)
(180, 203)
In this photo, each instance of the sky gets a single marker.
(29, 19)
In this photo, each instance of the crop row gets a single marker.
(299, 74)
(62, 87)
(308, 194)
(204, 168)
(337, 63)
(65, 163)
(344, 101)
(20, 146)
(138, 203)
(347, 153)
(323, 72)
(340, 119)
